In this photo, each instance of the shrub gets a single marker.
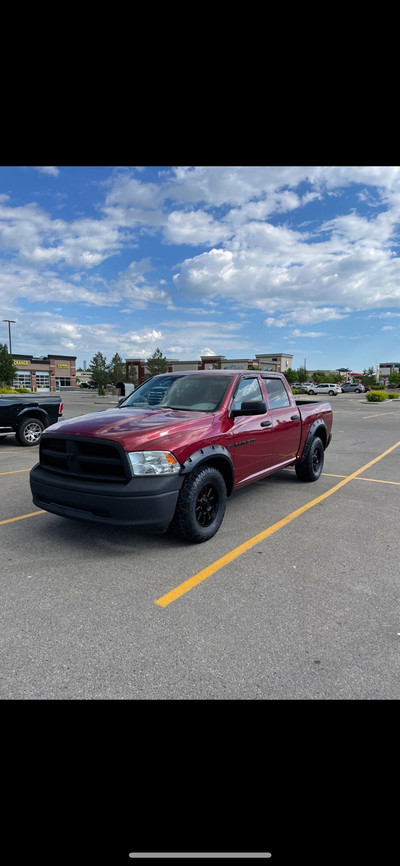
(393, 396)
(376, 396)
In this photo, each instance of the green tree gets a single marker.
(319, 377)
(369, 377)
(99, 370)
(116, 369)
(157, 363)
(8, 369)
(131, 375)
(299, 375)
(394, 378)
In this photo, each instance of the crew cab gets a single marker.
(27, 415)
(174, 450)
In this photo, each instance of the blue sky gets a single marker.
(201, 260)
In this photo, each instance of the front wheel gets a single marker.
(30, 431)
(311, 467)
(201, 505)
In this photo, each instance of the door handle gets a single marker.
(266, 423)
(294, 417)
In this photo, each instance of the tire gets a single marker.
(30, 431)
(311, 467)
(357, 391)
(201, 505)
(310, 392)
(332, 394)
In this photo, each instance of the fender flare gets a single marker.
(33, 412)
(316, 425)
(214, 455)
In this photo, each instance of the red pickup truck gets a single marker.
(172, 451)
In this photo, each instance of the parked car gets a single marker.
(356, 387)
(326, 388)
(303, 385)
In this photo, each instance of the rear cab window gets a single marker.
(278, 397)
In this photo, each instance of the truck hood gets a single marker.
(137, 429)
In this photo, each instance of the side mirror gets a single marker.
(250, 407)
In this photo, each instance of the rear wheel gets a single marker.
(310, 392)
(201, 505)
(331, 393)
(311, 467)
(30, 431)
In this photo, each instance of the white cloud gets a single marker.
(47, 169)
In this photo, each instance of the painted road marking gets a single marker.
(374, 480)
(13, 471)
(22, 517)
(189, 584)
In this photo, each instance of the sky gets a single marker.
(202, 260)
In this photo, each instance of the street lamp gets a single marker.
(9, 329)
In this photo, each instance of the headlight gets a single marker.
(153, 463)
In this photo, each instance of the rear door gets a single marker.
(285, 420)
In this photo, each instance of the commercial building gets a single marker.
(276, 362)
(45, 373)
(385, 369)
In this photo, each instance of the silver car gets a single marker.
(326, 388)
(357, 387)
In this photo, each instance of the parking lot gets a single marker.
(295, 598)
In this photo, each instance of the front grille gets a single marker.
(78, 457)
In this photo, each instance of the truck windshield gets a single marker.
(194, 393)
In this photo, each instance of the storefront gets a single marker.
(45, 373)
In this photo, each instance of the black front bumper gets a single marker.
(147, 503)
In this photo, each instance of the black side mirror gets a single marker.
(250, 407)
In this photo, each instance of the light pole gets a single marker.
(9, 329)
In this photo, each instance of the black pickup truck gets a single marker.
(27, 415)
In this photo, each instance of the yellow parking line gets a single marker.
(374, 480)
(367, 417)
(378, 481)
(12, 471)
(22, 517)
(187, 585)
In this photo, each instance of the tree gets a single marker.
(116, 369)
(131, 375)
(157, 363)
(394, 378)
(8, 369)
(319, 377)
(299, 375)
(369, 377)
(98, 369)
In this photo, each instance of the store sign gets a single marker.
(63, 365)
(21, 362)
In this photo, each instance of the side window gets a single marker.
(248, 389)
(277, 394)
